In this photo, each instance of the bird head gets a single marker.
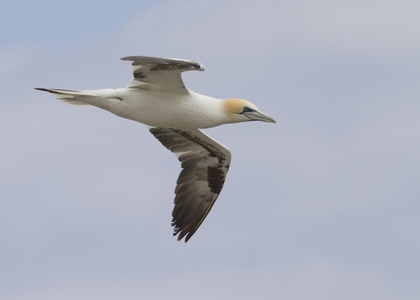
(239, 110)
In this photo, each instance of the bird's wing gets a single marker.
(205, 163)
(160, 73)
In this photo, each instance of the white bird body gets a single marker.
(161, 108)
(158, 98)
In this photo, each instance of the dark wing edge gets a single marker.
(204, 164)
(160, 73)
(164, 64)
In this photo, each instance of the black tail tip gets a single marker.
(43, 89)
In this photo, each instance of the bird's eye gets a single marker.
(246, 109)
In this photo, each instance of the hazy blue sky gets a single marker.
(322, 205)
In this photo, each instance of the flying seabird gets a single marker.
(157, 97)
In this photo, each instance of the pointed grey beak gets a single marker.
(259, 116)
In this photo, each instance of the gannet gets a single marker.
(158, 98)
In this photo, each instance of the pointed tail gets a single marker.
(66, 96)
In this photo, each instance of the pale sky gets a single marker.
(322, 205)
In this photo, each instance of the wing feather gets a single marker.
(204, 163)
(160, 73)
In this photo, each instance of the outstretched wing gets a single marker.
(160, 73)
(204, 163)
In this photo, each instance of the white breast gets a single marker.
(169, 110)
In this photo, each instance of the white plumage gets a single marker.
(158, 98)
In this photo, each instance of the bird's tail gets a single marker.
(67, 96)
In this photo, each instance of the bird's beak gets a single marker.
(259, 116)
